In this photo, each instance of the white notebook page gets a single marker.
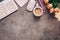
(21, 2)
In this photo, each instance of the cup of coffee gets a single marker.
(37, 11)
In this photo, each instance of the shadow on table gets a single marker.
(36, 18)
(8, 15)
(50, 15)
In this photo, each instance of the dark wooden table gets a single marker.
(22, 25)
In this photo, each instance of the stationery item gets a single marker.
(31, 5)
(7, 7)
(10, 6)
(40, 3)
(21, 2)
(2, 11)
(37, 11)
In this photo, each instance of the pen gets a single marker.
(40, 3)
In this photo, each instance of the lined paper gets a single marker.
(7, 7)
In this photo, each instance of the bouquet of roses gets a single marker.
(54, 7)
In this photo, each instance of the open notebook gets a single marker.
(7, 7)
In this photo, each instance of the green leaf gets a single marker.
(58, 5)
(54, 2)
(50, 1)
(58, 1)
(55, 5)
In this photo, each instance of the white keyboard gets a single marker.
(7, 7)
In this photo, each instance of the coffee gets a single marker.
(38, 11)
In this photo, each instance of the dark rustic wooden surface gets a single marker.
(22, 25)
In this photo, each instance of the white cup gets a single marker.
(35, 10)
